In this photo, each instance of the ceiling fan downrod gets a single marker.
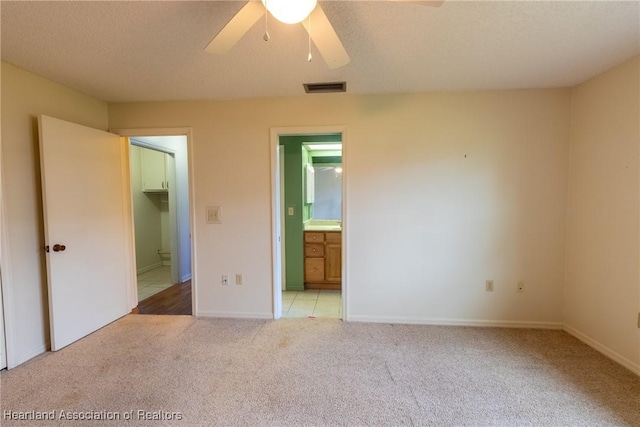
(266, 36)
(309, 57)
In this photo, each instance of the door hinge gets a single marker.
(638, 320)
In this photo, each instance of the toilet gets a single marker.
(165, 257)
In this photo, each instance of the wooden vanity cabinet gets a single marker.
(323, 260)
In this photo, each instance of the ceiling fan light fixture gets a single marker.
(290, 11)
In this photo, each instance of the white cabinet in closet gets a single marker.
(154, 171)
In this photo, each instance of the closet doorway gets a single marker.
(160, 200)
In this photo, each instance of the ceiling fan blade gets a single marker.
(236, 28)
(326, 39)
(432, 3)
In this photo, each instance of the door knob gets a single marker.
(59, 248)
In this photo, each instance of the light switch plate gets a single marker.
(214, 215)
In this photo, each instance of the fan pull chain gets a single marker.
(309, 58)
(266, 36)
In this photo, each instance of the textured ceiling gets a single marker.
(150, 51)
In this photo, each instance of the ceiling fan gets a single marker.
(307, 12)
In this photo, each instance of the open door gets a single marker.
(84, 191)
(3, 344)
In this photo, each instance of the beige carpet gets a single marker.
(295, 372)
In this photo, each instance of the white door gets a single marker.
(3, 346)
(84, 200)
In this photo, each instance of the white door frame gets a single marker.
(280, 194)
(186, 131)
(276, 249)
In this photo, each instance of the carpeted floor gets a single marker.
(296, 372)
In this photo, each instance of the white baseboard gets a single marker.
(630, 365)
(458, 322)
(165, 263)
(28, 355)
(149, 267)
(234, 315)
(185, 278)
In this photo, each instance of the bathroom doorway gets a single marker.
(161, 212)
(308, 212)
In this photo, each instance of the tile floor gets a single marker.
(153, 281)
(313, 302)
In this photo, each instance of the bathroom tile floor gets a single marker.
(312, 302)
(154, 281)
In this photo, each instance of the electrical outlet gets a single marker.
(239, 279)
(225, 279)
(214, 215)
(521, 286)
(488, 286)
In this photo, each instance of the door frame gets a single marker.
(276, 249)
(181, 131)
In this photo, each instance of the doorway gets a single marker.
(161, 213)
(309, 252)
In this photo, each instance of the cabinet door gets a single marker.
(314, 270)
(153, 170)
(333, 262)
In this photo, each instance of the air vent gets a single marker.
(325, 87)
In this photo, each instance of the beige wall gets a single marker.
(602, 291)
(24, 97)
(467, 187)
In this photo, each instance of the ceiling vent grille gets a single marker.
(325, 87)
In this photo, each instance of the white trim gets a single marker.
(30, 354)
(611, 354)
(188, 132)
(144, 144)
(149, 267)
(276, 250)
(275, 134)
(129, 233)
(235, 315)
(3, 346)
(10, 341)
(459, 322)
(345, 224)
